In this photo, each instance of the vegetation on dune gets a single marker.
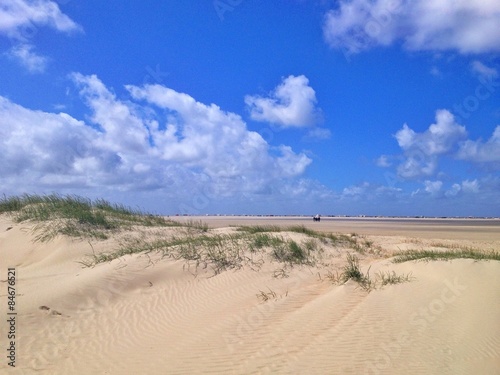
(75, 216)
(352, 271)
(194, 242)
(461, 253)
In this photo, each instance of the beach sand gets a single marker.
(144, 314)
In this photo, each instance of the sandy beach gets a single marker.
(155, 314)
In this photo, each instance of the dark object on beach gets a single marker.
(316, 217)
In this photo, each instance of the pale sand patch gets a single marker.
(140, 314)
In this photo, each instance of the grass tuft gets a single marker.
(463, 253)
(385, 278)
(74, 216)
(352, 271)
(252, 229)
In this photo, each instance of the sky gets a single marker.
(380, 107)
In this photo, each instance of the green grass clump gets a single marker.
(252, 229)
(302, 229)
(464, 253)
(74, 216)
(352, 271)
(197, 224)
(289, 252)
(392, 278)
(260, 240)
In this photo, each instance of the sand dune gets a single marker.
(152, 315)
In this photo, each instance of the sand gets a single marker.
(141, 314)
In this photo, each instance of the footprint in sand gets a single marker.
(47, 309)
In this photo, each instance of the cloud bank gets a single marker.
(466, 26)
(158, 139)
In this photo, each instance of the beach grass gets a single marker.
(139, 232)
(75, 216)
(449, 254)
(352, 271)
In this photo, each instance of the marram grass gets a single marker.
(74, 216)
(463, 253)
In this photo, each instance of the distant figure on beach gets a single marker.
(316, 217)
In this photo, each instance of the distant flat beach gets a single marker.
(453, 229)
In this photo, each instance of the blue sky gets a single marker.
(384, 107)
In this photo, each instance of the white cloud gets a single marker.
(123, 131)
(36, 144)
(383, 161)
(469, 26)
(205, 136)
(356, 191)
(433, 187)
(470, 186)
(421, 150)
(291, 104)
(19, 19)
(318, 134)
(454, 190)
(467, 186)
(483, 71)
(482, 152)
(33, 62)
(133, 146)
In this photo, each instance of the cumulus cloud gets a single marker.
(433, 187)
(465, 26)
(26, 56)
(482, 152)
(206, 136)
(421, 150)
(158, 139)
(20, 21)
(291, 104)
(470, 186)
(383, 161)
(465, 187)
